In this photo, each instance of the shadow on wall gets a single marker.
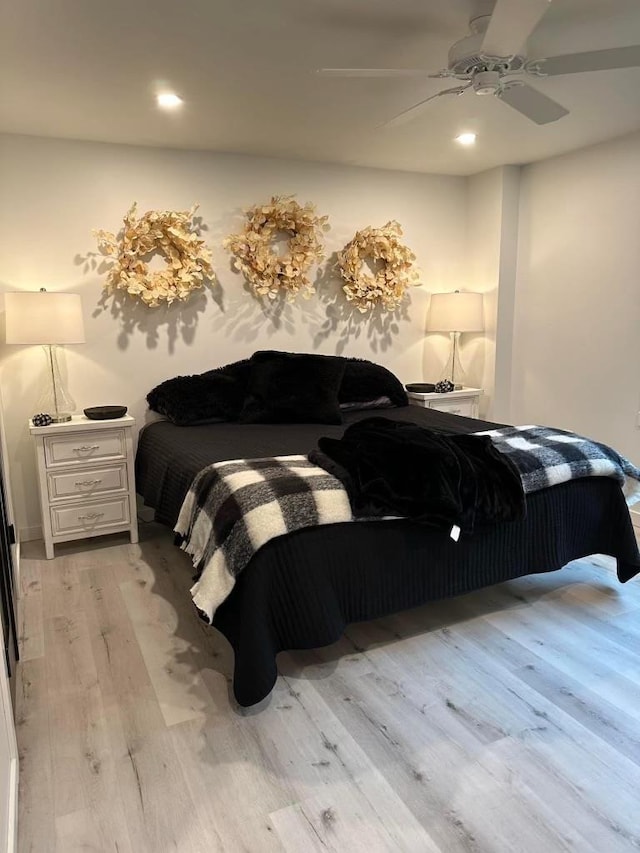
(327, 315)
(179, 318)
(249, 317)
(344, 321)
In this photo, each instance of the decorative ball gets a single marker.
(42, 419)
(444, 386)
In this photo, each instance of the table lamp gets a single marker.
(455, 313)
(48, 319)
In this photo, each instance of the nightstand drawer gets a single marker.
(85, 518)
(87, 481)
(455, 407)
(84, 447)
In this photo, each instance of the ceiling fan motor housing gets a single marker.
(466, 59)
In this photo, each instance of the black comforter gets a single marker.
(301, 590)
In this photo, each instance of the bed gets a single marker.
(301, 590)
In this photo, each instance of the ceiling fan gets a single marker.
(490, 60)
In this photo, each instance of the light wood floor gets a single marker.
(505, 720)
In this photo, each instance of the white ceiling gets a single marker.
(86, 69)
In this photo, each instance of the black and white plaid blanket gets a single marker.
(234, 507)
(545, 457)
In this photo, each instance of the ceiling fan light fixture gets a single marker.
(486, 82)
(466, 138)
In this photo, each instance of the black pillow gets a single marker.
(293, 388)
(364, 382)
(190, 400)
(238, 370)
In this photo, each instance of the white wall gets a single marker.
(576, 342)
(54, 192)
(492, 242)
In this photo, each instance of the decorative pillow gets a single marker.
(288, 387)
(238, 370)
(190, 400)
(365, 381)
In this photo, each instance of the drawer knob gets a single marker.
(86, 448)
(87, 483)
(91, 516)
(455, 411)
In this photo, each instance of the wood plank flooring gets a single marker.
(504, 720)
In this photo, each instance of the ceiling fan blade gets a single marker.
(532, 104)
(592, 60)
(416, 109)
(372, 72)
(511, 24)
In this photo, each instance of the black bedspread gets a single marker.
(303, 589)
(170, 456)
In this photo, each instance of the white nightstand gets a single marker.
(464, 402)
(86, 479)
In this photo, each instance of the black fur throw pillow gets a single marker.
(288, 387)
(238, 370)
(190, 400)
(365, 382)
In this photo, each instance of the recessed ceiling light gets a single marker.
(466, 139)
(168, 100)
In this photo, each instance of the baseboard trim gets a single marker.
(28, 534)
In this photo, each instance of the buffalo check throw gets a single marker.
(545, 457)
(233, 508)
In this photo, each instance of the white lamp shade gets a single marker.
(43, 318)
(456, 312)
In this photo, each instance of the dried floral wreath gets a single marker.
(165, 232)
(388, 285)
(267, 272)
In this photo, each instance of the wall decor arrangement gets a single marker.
(269, 273)
(169, 233)
(386, 287)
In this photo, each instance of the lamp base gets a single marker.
(453, 370)
(59, 403)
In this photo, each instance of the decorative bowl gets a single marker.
(421, 387)
(105, 413)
